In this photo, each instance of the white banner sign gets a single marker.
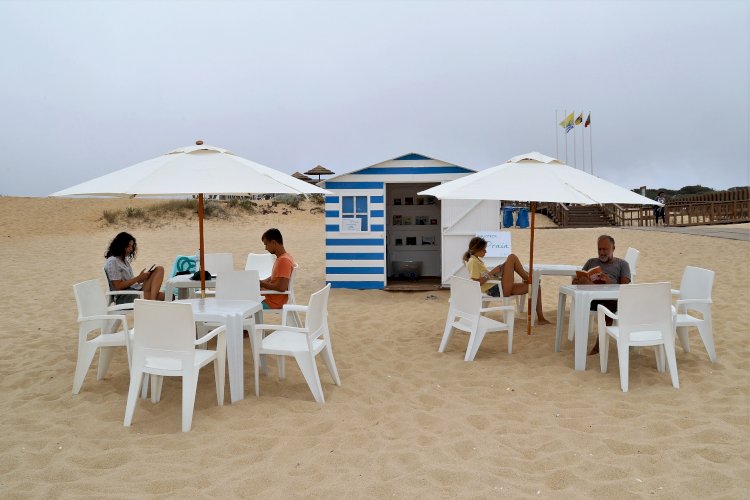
(498, 243)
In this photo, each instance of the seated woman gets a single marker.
(504, 272)
(121, 252)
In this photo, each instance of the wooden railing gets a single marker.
(725, 207)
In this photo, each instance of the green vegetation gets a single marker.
(293, 200)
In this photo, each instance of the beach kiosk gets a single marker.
(380, 234)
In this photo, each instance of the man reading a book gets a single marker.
(606, 269)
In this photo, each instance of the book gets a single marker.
(592, 274)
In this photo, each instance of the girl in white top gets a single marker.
(121, 252)
(504, 272)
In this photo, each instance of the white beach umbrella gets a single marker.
(193, 170)
(535, 177)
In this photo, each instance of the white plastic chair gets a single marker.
(112, 293)
(465, 314)
(644, 319)
(93, 314)
(261, 262)
(290, 298)
(217, 263)
(304, 343)
(164, 345)
(694, 295)
(631, 257)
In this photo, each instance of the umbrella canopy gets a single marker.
(319, 170)
(193, 170)
(535, 177)
(301, 177)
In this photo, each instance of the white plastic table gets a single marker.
(579, 317)
(230, 313)
(550, 270)
(183, 283)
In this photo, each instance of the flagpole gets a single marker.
(566, 140)
(591, 146)
(583, 147)
(575, 160)
(557, 139)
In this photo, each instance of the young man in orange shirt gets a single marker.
(282, 270)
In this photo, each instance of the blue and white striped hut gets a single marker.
(378, 228)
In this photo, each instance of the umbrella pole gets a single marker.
(200, 243)
(529, 312)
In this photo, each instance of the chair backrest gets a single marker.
(238, 285)
(696, 283)
(631, 256)
(466, 297)
(164, 328)
(261, 262)
(644, 307)
(290, 289)
(217, 263)
(90, 298)
(316, 319)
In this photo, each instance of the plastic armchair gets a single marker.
(644, 318)
(93, 314)
(465, 313)
(261, 262)
(303, 343)
(631, 257)
(112, 294)
(164, 345)
(694, 295)
(290, 298)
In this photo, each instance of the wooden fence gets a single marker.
(724, 207)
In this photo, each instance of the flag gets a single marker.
(567, 123)
(579, 119)
(588, 121)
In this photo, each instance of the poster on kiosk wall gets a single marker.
(498, 245)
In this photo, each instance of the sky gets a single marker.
(91, 87)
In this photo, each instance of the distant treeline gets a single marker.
(675, 194)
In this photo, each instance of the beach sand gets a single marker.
(407, 422)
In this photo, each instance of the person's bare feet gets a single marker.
(542, 321)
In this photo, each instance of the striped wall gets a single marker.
(358, 259)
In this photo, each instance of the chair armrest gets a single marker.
(213, 333)
(105, 317)
(273, 292)
(680, 302)
(121, 307)
(675, 292)
(606, 312)
(295, 307)
(262, 327)
(497, 308)
(125, 292)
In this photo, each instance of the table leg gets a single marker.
(234, 357)
(560, 318)
(582, 306)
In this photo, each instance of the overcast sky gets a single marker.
(91, 87)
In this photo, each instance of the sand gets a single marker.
(406, 422)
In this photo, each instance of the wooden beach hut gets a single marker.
(380, 234)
